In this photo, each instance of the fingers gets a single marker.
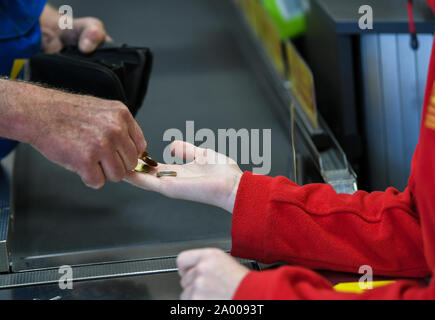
(92, 35)
(113, 167)
(189, 265)
(144, 181)
(187, 293)
(128, 152)
(137, 136)
(119, 143)
(93, 176)
(188, 278)
(189, 259)
(125, 136)
(189, 152)
(209, 274)
(184, 150)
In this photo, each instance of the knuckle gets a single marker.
(104, 142)
(125, 114)
(117, 105)
(114, 132)
(121, 109)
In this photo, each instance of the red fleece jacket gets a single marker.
(312, 226)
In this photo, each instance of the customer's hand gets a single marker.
(87, 32)
(210, 177)
(98, 139)
(209, 274)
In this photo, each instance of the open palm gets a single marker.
(209, 177)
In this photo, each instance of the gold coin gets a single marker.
(143, 155)
(166, 174)
(150, 161)
(142, 168)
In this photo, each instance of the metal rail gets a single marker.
(95, 272)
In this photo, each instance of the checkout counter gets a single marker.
(122, 241)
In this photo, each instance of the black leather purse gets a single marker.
(115, 73)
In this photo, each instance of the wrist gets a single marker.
(232, 192)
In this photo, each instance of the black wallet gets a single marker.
(115, 73)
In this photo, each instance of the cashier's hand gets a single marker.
(98, 139)
(209, 177)
(209, 274)
(87, 32)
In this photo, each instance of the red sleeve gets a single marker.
(275, 220)
(295, 283)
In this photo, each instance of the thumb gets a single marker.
(91, 36)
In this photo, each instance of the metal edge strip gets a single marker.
(95, 272)
(4, 220)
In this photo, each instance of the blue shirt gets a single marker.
(20, 38)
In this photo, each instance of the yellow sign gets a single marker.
(266, 30)
(17, 67)
(354, 287)
(302, 83)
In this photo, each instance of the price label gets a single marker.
(302, 83)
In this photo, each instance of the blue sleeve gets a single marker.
(20, 38)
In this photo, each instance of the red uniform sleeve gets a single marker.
(295, 283)
(275, 220)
